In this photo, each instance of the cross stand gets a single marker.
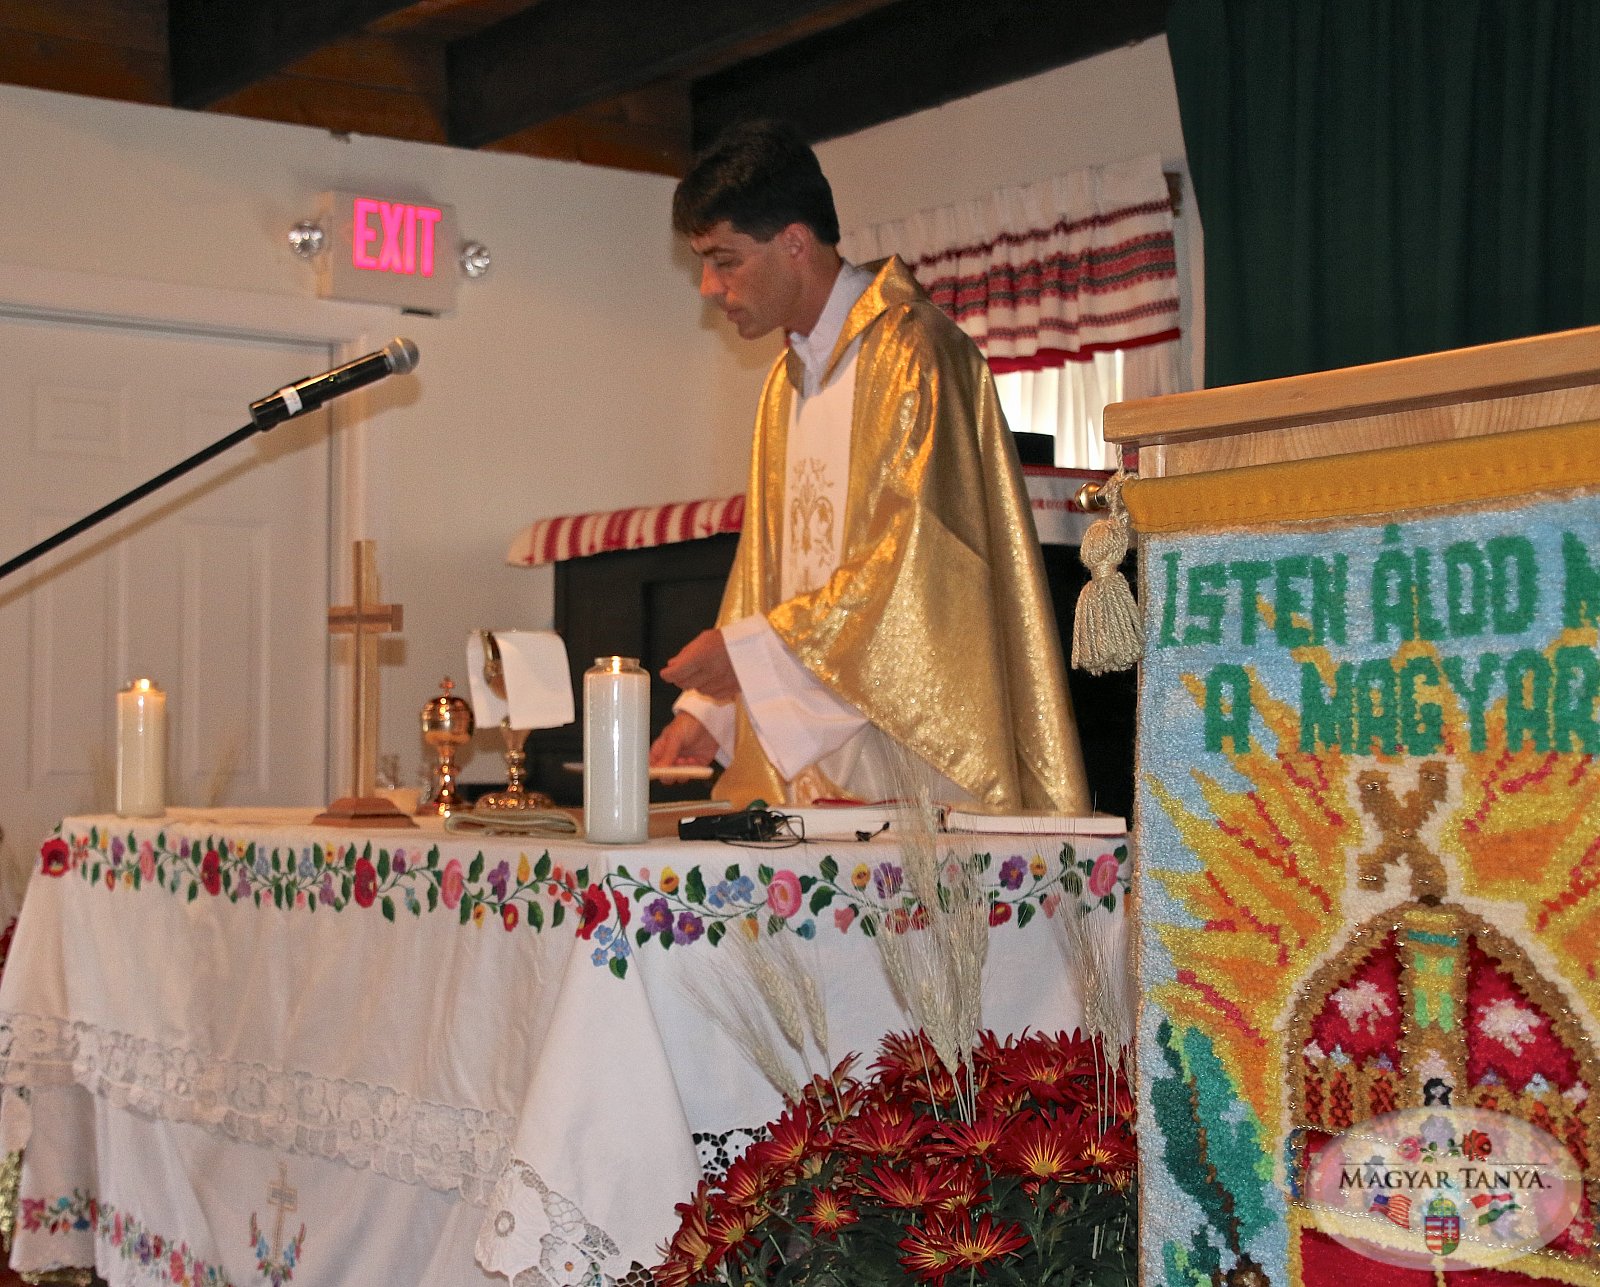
(366, 619)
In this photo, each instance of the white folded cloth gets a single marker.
(538, 680)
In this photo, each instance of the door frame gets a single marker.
(30, 292)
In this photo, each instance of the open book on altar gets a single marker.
(849, 820)
(1034, 822)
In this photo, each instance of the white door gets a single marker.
(215, 586)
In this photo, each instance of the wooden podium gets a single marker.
(1368, 826)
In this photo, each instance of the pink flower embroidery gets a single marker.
(1103, 878)
(147, 860)
(783, 894)
(844, 917)
(450, 884)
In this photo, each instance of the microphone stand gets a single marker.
(122, 502)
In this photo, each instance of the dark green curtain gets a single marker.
(1378, 178)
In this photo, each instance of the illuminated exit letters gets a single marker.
(394, 236)
(389, 251)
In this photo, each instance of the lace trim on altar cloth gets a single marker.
(572, 1252)
(716, 1152)
(362, 1125)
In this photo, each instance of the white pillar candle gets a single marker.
(616, 751)
(141, 750)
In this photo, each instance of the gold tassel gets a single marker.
(1107, 633)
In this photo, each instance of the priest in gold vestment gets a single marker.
(888, 595)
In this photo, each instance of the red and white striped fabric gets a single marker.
(573, 535)
(1056, 515)
(1048, 273)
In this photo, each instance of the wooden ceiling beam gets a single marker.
(562, 55)
(219, 47)
(912, 56)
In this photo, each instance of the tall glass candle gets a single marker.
(616, 751)
(141, 750)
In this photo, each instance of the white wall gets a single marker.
(581, 373)
(1115, 106)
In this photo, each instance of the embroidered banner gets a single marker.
(1368, 876)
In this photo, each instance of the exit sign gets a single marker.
(387, 250)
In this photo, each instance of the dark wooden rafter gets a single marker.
(632, 84)
(562, 55)
(218, 47)
(912, 56)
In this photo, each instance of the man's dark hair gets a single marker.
(760, 176)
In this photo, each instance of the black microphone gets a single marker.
(396, 357)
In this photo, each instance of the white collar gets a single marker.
(815, 349)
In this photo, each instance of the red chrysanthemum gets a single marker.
(791, 1139)
(887, 1132)
(830, 1211)
(962, 1185)
(747, 1182)
(976, 1242)
(691, 1251)
(1044, 1148)
(969, 1139)
(927, 1253)
(911, 1188)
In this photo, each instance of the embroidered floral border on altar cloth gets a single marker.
(1368, 844)
(617, 911)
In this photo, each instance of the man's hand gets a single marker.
(684, 741)
(703, 665)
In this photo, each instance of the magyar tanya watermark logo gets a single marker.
(1443, 1188)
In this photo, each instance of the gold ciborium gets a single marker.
(447, 725)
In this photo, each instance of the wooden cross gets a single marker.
(366, 619)
(280, 1195)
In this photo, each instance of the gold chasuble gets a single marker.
(937, 624)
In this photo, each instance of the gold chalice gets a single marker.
(516, 796)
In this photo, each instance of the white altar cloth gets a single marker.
(241, 1049)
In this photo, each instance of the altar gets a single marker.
(237, 1048)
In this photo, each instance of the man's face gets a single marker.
(756, 283)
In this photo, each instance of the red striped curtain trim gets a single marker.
(569, 536)
(1045, 359)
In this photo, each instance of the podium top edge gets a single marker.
(1507, 368)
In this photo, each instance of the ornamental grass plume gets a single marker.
(933, 930)
(863, 1183)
